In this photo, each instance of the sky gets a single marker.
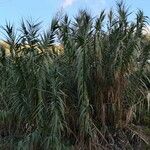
(43, 10)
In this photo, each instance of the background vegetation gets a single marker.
(89, 94)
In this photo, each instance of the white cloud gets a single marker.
(146, 30)
(67, 3)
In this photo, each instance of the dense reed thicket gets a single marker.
(88, 95)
